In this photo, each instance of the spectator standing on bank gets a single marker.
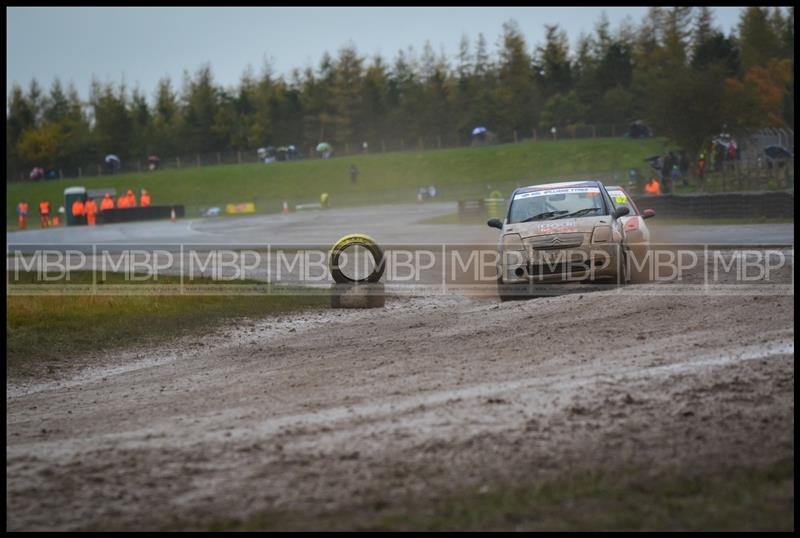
(22, 215)
(130, 199)
(353, 174)
(44, 213)
(78, 210)
(107, 203)
(701, 166)
(90, 208)
(653, 187)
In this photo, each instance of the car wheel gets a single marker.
(626, 274)
(623, 276)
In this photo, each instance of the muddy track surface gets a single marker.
(354, 410)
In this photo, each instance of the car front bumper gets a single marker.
(577, 264)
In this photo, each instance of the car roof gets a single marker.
(562, 184)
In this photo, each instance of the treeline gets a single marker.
(675, 69)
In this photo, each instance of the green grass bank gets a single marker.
(382, 178)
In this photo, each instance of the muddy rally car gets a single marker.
(560, 233)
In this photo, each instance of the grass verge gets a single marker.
(756, 498)
(46, 331)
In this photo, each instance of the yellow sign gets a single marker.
(247, 207)
(621, 199)
(495, 205)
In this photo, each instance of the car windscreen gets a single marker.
(620, 197)
(549, 204)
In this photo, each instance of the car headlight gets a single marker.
(601, 234)
(512, 242)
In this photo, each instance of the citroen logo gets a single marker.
(555, 240)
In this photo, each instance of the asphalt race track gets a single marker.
(394, 224)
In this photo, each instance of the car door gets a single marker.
(634, 230)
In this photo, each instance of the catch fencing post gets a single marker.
(138, 166)
(239, 156)
(421, 143)
(178, 162)
(80, 172)
(383, 146)
(98, 170)
(594, 135)
(197, 158)
(613, 130)
(534, 135)
(60, 174)
(346, 148)
(402, 144)
(439, 141)
(515, 136)
(219, 158)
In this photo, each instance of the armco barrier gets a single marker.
(130, 214)
(723, 205)
(471, 208)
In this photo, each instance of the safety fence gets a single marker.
(251, 155)
(766, 205)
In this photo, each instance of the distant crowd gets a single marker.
(671, 168)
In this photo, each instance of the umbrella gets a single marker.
(153, 158)
(478, 130)
(323, 146)
(777, 152)
(113, 162)
(722, 142)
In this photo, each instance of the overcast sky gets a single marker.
(142, 45)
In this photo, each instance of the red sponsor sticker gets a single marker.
(558, 226)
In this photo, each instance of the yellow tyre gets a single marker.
(363, 241)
